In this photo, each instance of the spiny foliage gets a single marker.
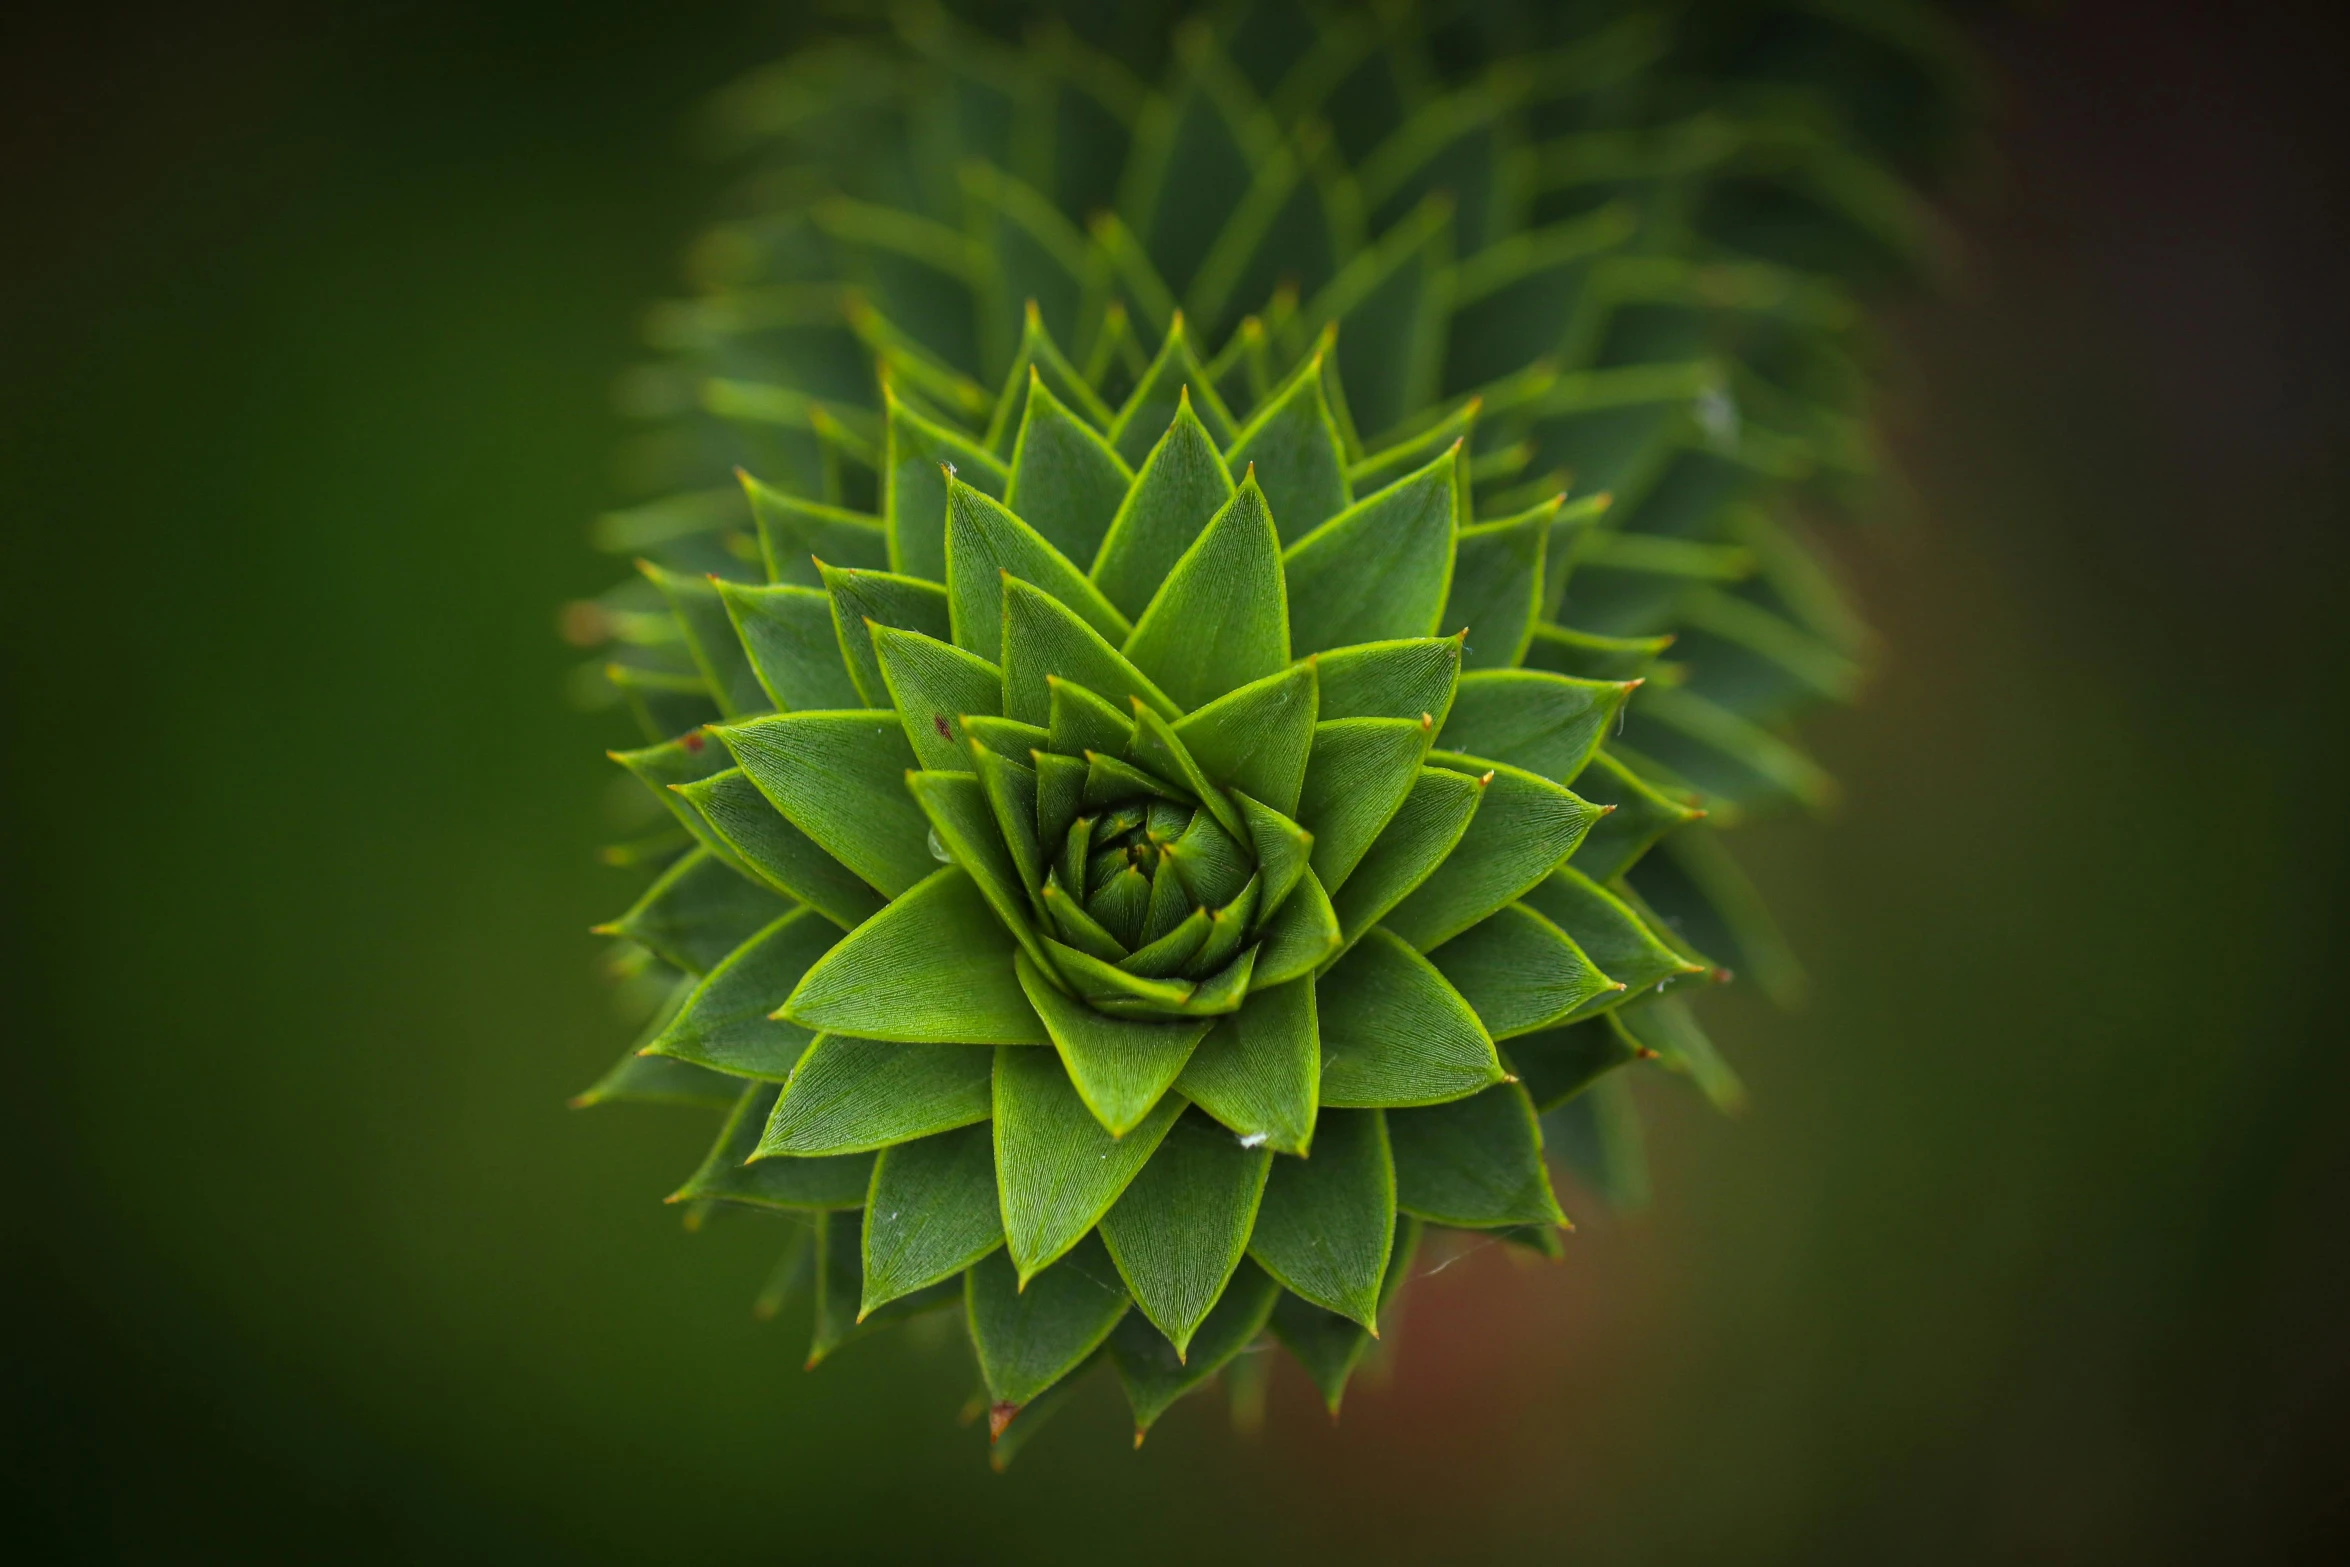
(1147, 850)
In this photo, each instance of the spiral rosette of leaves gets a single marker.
(1254, 789)
(1053, 914)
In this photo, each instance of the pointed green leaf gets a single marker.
(883, 599)
(1497, 585)
(1182, 1225)
(965, 824)
(1114, 989)
(726, 1023)
(1596, 1134)
(839, 778)
(1182, 484)
(1390, 679)
(1213, 865)
(1299, 939)
(787, 631)
(1226, 989)
(1299, 459)
(1078, 928)
(985, 541)
(932, 684)
(932, 1212)
(1066, 481)
(1157, 749)
(699, 910)
(1154, 1376)
(657, 1080)
(1591, 656)
(1524, 828)
(914, 487)
(685, 759)
(1642, 815)
(935, 966)
(1011, 797)
(1520, 972)
(793, 533)
(1165, 956)
(1060, 795)
(1395, 1033)
(1415, 842)
(1379, 570)
(1282, 848)
(787, 1184)
(1039, 357)
(1010, 739)
(1260, 1072)
(1256, 739)
(840, 1287)
(852, 1095)
(1328, 1345)
(1121, 1067)
(1221, 618)
(1057, 1169)
(1327, 1222)
(1548, 724)
(1610, 933)
(779, 854)
(1175, 377)
(1043, 637)
(1359, 774)
(710, 638)
(1081, 723)
(1475, 1162)
(1556, 1064)
(1032, 1331)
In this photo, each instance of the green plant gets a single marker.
(1254, 790)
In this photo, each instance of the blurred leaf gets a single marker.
(1154, 1376)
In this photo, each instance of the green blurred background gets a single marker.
(2031, 1248)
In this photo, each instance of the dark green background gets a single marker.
(2030, 1249)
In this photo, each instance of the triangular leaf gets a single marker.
(1156, 748)
(1360, 771)
(840, 1287)
(1417, 839)
(775, 851)
(794, 533)
(710, 638)
(1221, 618)
(880, 598)
(1379, 570)
(1475, 1162)
(1299, 459)
(1559, 1063)
(1395, 1033)
(1548, 724)
(1526, 826)
(1282, 849)
(1328, 1345)
(1327, 1223)
(1666, 1025)
(851, 1095)
(698, 911)
(1120, 1067)
(1182, 1225)
(932, 684)
(1401, 679)
(1520, 972)
(1610, 933)
(787, 631)
(1155, 1377)
(839, 778)
(1043, 637)
(914, 487)
(1032, 1331)
(932, 1212)
(933, 967)
(1080, 723)
(1256, 739)
(1067, 481)
(790, 1185)
(1182, 484)
(1299, 939)
(726, 1023)
(1158, 397)
(1642, 815)
(985, 541)
(1260, 1071)
(1497, 585)
(1057, 1169)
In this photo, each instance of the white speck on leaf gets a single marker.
(1253, 1140)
